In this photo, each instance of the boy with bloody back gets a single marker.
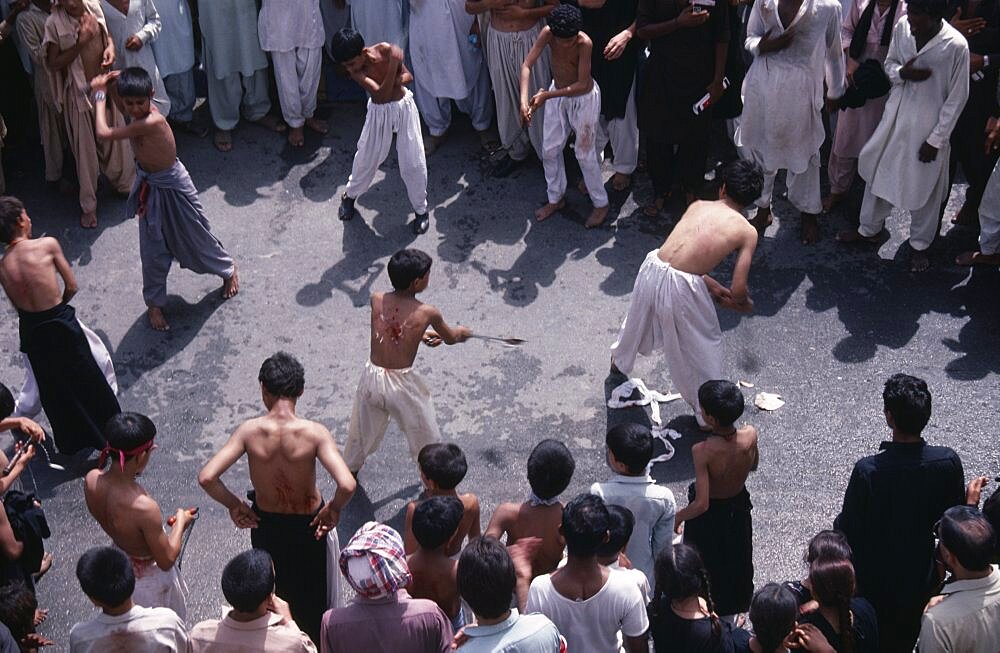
(389, 387)
(172, 223)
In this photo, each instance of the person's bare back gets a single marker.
(469, 528)
(119, 505)
(30, 271)
(435, 577)
(706, 234)
(282, 452)
(398, 326)
(513, 15)
(522, 521)
(729, 460)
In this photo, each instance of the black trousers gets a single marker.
(686, 164)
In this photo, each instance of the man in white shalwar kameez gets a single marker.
(782, 125)
(381, 21)
(439, 37)
(133, 32)
(235, 68)
(673, 302)
(292, 31)
(905, 163)
(174, 50)
(989, 208)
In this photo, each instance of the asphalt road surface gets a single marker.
(831, 324)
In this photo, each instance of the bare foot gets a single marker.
(45, 565)
(231, 286)
(832, 201)
(41, 614)
(89, 220)
(582, 187)
(977, 258)
(271, 122)
(546, 211)
(317, 125)
(597, 216)
(809, 228)
(432, 143)
(920, 262)
(156, 319)
(653, 210)
(223, 140)
(854, 236)
(762, 220)
(296, 138)
(621, 181)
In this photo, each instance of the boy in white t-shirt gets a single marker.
(588, 602)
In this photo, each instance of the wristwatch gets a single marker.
(100, 96)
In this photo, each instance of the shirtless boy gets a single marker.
(172, 223)
(534, 524)
(572, 103)
(288, 516)
(672, 301)
(389, 387)
(435, 573)
(442, 468)
(74, 391)
(132, 518)
(78, 47)
(514, 26)
(718, 515)
(379, 69)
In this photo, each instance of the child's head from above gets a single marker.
(743, 182)
(630, 448)
(565, 21)
(409, 270)
(621, 523)
(436, 520)
(721, 402)
(106, 576)
(442, 465)
(14, 220)
(6, 402)
(248, 580)
(130, 436)
(281, 377)
(17, 609)
(585, 525)
(486, 577)
(135, 88)
(347, 48)
(906, 402)
(550, 469)
(773, 612)
(680, 573)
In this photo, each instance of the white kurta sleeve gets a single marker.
(850, 23)
(755, 29)
(894, 59)
(836, 72)
(958, 93)
(151, 29)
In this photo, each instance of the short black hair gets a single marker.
(550, 468)
(773, 612)
(345, 45)
(908, 400)
(621, 523)
(444, 463)
(17, 608)
(991, 510)
(585, 525)
(435, 520)
(932, 8)
(126, 431)
(283, 376)
(6, 402)
(408, 265)
(722, 400)
(565, 21)
(248, 580)
(632, 445)
(105, 575)
(486, 577)
(134, 82)
(969, 536)
(744, 181)
(10, 211)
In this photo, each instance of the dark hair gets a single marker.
(828, 544)
(932, 8)
(833, 585)
(345, 45)
(443, 463)
(680, 574)
(565, 21)
(773, 612)
(435, 520)
(632, 445)
(908, 400)
(621, 523)
(406, 266)
(721, 400)
(283, 376)
(10, 211)
(248, 580)
(486, 577)
(6, 402)
(134, 82)
(105, 575)
(969, 536)
(17, 608)
(126, 431)
(744, 181)
(585, 525)
(550, 468)
(991, 510)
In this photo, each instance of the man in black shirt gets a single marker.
(890, 507)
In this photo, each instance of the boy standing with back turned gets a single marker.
(389, 387)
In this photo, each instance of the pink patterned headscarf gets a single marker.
(386, 570)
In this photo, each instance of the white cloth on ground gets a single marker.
(140, 630)
(174, 48)
(620, 398)
(296, 73)
(382, 121)
(142, 20)
(672, 311)
(917, 112)
(623, 133)
(989, 215)
(156, 588)
(229, 38)
(286, 25)
(29, 401)
(579, 114)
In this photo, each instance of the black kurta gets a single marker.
(615, 77)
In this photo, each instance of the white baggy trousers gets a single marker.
(580, 114)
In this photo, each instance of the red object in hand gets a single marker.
(173, 520)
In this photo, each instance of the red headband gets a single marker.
(122, 455)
